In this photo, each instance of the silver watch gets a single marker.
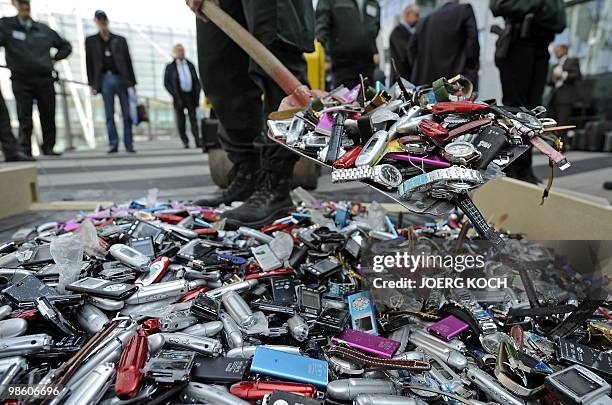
(460, 152)
(453, 176)
(386, 175)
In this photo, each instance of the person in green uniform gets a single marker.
(348, 30)
(234, 85)
(27, 44)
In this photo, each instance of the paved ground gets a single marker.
(184, 174)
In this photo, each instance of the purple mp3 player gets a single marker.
(448, 328)
(376, 345)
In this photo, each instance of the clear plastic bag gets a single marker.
(67, 252)
(90, 240)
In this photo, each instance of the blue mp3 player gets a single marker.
(290, 367)
(362, 312)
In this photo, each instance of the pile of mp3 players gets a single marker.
(162, 305)
(425, 147)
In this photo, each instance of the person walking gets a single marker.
(181, 81)
(28, 44)
(262, 170)
(523, 60)
(110, 72)
(563, 78)
(445, 44)
(399, 41)
(348, 30)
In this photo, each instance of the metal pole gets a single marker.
(67, 127)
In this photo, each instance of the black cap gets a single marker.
(23, 1)
(101, 15)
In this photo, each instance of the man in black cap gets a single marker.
(28, 45)
(110, 72)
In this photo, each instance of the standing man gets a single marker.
(445, 44)
(348, 30)
(563, 78)
(10, 147)
(522, 58)
(234, 84)
(181, 81)
(110, 72)
(399, 41)
(28, 45)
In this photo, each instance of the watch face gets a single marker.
(460, 149)
(391, 175)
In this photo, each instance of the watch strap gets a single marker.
(376, 363)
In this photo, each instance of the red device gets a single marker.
(274, 228)
(459, 107)
(191, 295)
(133, 359)
(156, 271)
(433, 130)
(255, 390)
(271, 273)
(170, 218)
(348, 160)
(205, 232)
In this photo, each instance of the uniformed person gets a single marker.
(234, 85)
(28, 45)
(10, 147)
(348, 30)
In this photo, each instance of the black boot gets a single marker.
(240, 188)
(269, 202)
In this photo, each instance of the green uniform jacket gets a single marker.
(345, 31)
(28, 52)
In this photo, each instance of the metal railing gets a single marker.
(82, 123)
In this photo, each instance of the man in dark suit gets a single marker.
(563, 78)
(110, 72)
(445, 44)
(400, 40)
(181, 81)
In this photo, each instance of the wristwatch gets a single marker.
(453, 178)
(460, 152)
(386, 175)
(416, 145)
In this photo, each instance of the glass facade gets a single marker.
(150, 48)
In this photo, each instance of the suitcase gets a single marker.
(594, 135)
(608, 142)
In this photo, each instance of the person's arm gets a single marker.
(168, 80)
(515, 9)
(472, 47)
(572, 68)
(128, 61)
(323, 22)
(197, 86)
(89, 63)
(64, 49)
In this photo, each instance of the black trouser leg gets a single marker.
(179, 112)
(45, 99)
(235, 97)
(347, 73)
(193, 122)
(523, 77)
(24, 98)
(10, 146)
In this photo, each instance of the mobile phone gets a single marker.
(194, 250)
(129, 256)
(144, 229)
(363, 312)
(373, 149)
(146, 246)
(102, 288)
